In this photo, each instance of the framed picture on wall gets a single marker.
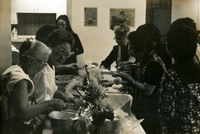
(122, 15)
(90, 16)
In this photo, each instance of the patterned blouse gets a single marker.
(150, 71)
(179, 105)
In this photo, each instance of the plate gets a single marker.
(111, 90)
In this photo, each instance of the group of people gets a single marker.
(165, 82)
(29, 89)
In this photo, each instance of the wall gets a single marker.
(98, 40)
(5, 40)
(186, 8)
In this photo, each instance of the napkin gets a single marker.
(120, 101)
(112, 90)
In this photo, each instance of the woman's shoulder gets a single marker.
(75, 35)
(16, 74)
(155, 60)
(15, 71)
(155, 57)
(115, 47)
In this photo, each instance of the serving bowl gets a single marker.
(127, 68)
(62, 121)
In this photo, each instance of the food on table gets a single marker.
(117, 80)
(117, 86)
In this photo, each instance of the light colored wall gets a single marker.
(98, 40)
(5, 36)
(186, 8)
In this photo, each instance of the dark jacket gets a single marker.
(113, 56)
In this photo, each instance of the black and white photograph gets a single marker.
(100, 66)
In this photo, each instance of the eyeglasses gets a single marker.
(130, 49)
(44, 64)
(119, 37)
(61, 24)
(165, 42)
(62, 52)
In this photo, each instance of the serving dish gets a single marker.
(62, 121)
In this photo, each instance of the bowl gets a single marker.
(62, 121)
(127, 68)
(109, 126)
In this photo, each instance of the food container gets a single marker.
(61, 122)
(108, 127)
(127, 68)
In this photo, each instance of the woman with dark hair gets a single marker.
(144, 80)
(154, 33)
(60, 42)
(180, 88)
(41, 35)
(62, 22)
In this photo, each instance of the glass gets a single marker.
(165, 42)
(119, 37)
(44, 64)
(61, 24)
(62, 52)
(130, 49)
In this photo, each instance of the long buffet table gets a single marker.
(119, 100)
(137, 130)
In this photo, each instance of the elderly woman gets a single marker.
(19, 109)
(145, 80)
(119, 52)
(180, 87)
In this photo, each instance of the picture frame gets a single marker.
(122, 15)
(90, 16)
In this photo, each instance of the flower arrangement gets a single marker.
(95, 108)
(89, 87)
(120, 19)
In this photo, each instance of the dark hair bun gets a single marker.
(26, 45)
(43, 32)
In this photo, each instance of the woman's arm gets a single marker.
(21, 105)
(67, 69)
(110, 58)
(144, 88)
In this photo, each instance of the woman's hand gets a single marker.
(102, 67)
(57, 104)
(124, 76)
(72, 53)
(68, 99)
(72, 66)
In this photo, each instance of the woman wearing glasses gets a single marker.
(120, 51)
(61, 43)
(19, 109)
(62, 22)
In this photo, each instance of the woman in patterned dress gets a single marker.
(145, 80)
(179, 109)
